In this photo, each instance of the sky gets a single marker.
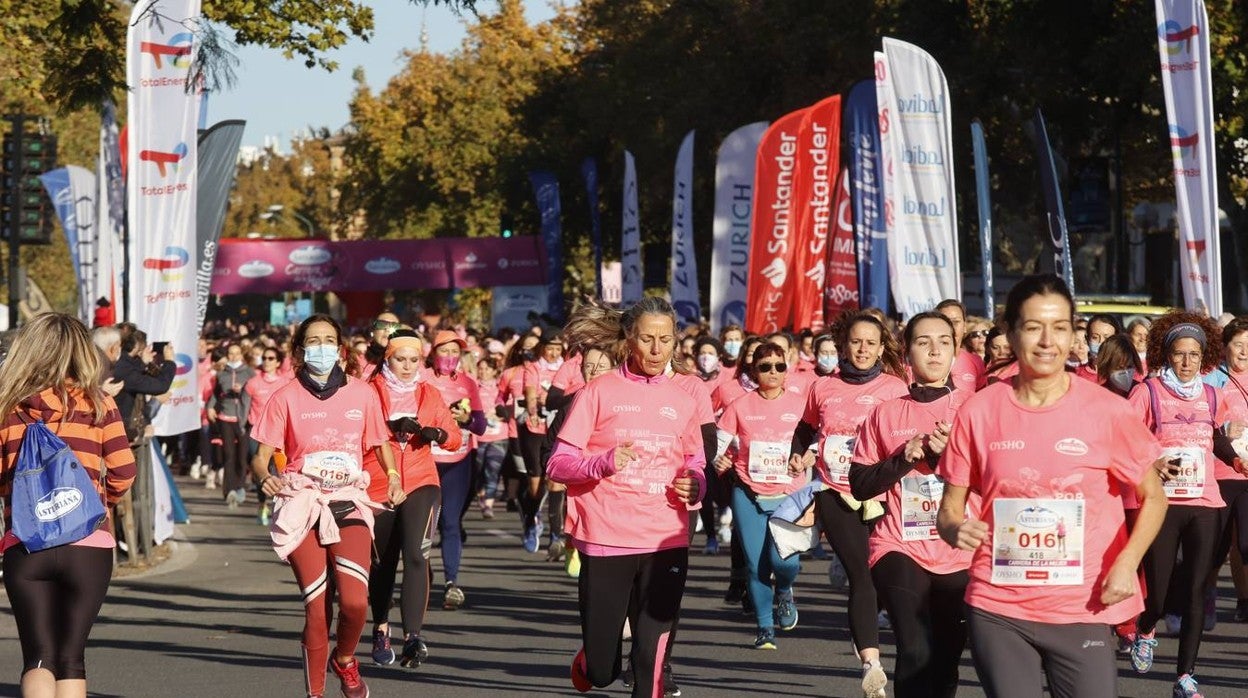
(279, 97)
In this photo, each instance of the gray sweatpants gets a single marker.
(1013, 657)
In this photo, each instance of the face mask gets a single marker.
(733, 348)
(708, 362)
(528, 355)
(827, 363)
(234, 364)
(321, 358)
(446, 364)
(1122, 379)
(1094, 348)
(259, 361)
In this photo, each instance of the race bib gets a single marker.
(838, 450)
(1190, 482)
(1037, 542)
(920, 499)
(1241, 446)
(464, 444)
(331, 469)
(769, 462)
(493, 427)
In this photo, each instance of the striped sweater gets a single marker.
(93, 444)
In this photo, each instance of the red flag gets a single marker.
(841, 291)
(777, 191)
(819, 152)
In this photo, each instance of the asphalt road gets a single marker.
(222, 618)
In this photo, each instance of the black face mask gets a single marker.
(529, 355)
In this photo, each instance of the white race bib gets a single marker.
(1190, 483)
(1037, 542)
(769, 462)
(464, 444)
(331, 469)
(838, 450)
(920, 500)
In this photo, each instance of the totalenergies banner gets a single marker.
(778, 192)
(161, 188)
(684, 261)
(730, 229)
(274, 266)
(819, 147)
(922, 246)
(1183, 43)
(841, 292)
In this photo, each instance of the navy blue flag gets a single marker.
(861, 124)
(546, 189)
(589, 170)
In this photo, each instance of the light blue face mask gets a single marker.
(1094, 348)
(827, 363)
(321, 358)
(732, 348)
(1122, 379)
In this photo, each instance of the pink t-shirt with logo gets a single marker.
(1085, 449)
(635, 507)
(1235, 404)
(568, 378)
(837, 409)
(261, 387)
(764, 432)
(968, 371)
(455, 387)
(696, 388)
(511, 391)
(725, 393)
(1183, 423)
(295, 421)
(495, 428)
(908, 526)
(540, 376)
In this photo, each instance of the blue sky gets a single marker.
(279, 97)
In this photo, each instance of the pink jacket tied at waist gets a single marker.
(301, 503)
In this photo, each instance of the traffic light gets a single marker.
(26, 207)
(506, 225)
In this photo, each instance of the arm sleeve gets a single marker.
(870, 481)
(570, 466)
(431, 401)
(143, 384)
(709, 442)
(803, 437)
(556, 399)
(119, 459)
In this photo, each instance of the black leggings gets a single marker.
(1195, 529)
(847, 534)
(1232, 520)
(56, 595)
(929, 623)
(531, 451)
(407, 530)
(645, 588)
(234, 446)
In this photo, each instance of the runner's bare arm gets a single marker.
(1120, 582)
(955, 528)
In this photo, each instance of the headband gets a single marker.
(1184, 330)
(397, 343)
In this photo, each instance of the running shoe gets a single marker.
(670, 689)
(1142, 652)
(414, 652)
(231, 500)
(786, 610)
(383, 653)
(626, 676)
(453, 598)
(487, 511)
(196, 470)
(712, 546)
(882, 622)
(1172, 624)
(1211, 609)
(574, 564)
(1186, 687)
(352, 685)
(580, 674)
(266, 515)
(241, 495)
(818, 552)
(837, 575)
(725, 534)
(530, 538)
(766, 639)
(736, 591)
(1241, 611)
(1125, 643)
(555, 552)
(873, 680)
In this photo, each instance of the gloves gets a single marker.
(433, 435)
(404, 425)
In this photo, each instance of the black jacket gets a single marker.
(129, 370)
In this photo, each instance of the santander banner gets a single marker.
(1183, 44)
(778, 194)
(684, 261)
(161, 189)
(274, 266)
(630, 236)
(730, 229)
(819, 148)
(841, 291)
(922, 245)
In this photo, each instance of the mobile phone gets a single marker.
(159, 347)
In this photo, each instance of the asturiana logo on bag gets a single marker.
(57, 503)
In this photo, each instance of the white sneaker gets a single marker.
(697, 525)
(873, 680)
(725, 534)
(195, 470)
(210, 480)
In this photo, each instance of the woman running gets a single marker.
(260, 388)
(920, 579)
(539, 375)
(491, 445)
(968, 368)
(631, 455)
(826, 356)
(511, 392)
(1233, 481)
(870, 375)
(418, 419)
(1186, 415)
(56, 593)
(1041, 447)
(1118, 366)
(459, 392)
(760, 427)
(324, 421)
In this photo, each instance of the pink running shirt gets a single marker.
(1236, 407)
(568, 378)
(495, 428)
(764, 432)
(837, 409)
(1186, 432)
(453, 388)
(968, 371)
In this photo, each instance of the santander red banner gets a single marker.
(819, 155)
(778, 191)
(274, 266)
(841, 291)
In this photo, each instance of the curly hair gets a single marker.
(1161, 326)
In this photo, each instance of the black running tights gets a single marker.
(407, 530)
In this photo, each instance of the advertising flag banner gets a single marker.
(841, 292)
(110, 213)
(866, 186)
(546, 189)
(630, 235)
(72, 190)
(589, 171)
(730, 228)
(1056, 255)
(1183, 44)
(684, 283)
(819, 148)
(218, 155)
(162, 189)
(518, 306)
(983, 195)
(923, 248)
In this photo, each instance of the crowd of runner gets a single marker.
(1043, 489)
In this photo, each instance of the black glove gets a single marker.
(404, 425)
(433, 435)
(502, 412)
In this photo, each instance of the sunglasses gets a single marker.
(768, 368)
(978, 334)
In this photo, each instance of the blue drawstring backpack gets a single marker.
(54, 499)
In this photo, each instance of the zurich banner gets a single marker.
(730, 228)
(866, 186)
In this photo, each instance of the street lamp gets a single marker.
(276, 210)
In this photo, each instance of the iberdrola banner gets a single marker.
(841, 292)
(1183, 44)
(163, 115)
(819, 147)
(866, 185)
(730, 229)
(922, 249)
(630, 236)
(684, 286)
(778, 191)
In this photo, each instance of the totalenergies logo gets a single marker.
(1181, 140)
(1177, 37)
(171, 264)
(178, 50)
(165, 161)
(185, 364)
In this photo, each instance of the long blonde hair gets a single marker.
(52, 350)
